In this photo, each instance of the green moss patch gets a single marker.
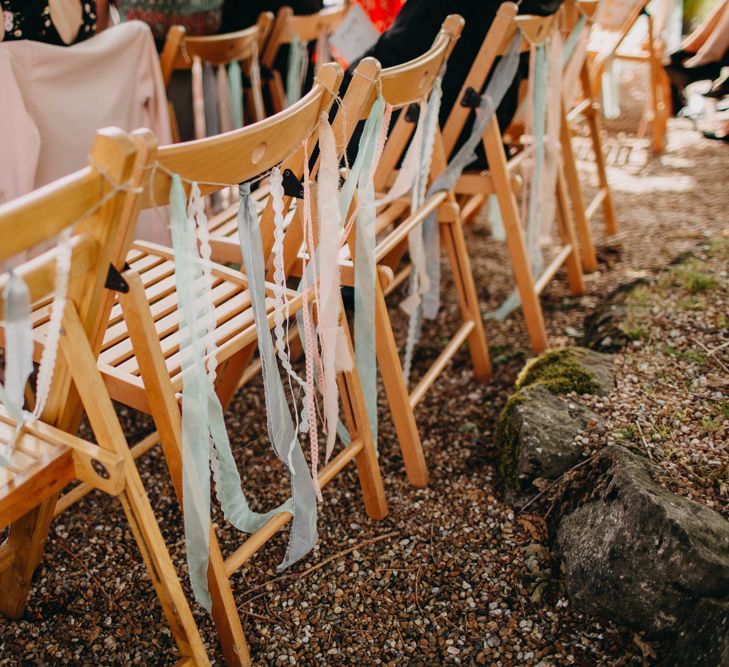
(559, 371)
(507, 440)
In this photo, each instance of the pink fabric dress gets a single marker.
(54, 99)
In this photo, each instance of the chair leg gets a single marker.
(168, 420)
(593, 124)
(452, 233)
(26, 541)
(398, 398)
(161, 570)
(134, 500)
(568, 236)
(582, 224)
(355, 417)
(523, 278)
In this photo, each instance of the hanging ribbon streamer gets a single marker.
(210, 100)
(47, 366)
(18, 353)
(407, 175)
(573, 58)
(225, 100)
(205, 443)
(533, 223)
(361, 179)
(495, 221)
(611, 91)
(309, 281)
(198, 98)
(278, 417)
(235, 81)
(490, 100)
(335, 353)
(572, 39)
(417, 238)
(281, 305)
(297, 68)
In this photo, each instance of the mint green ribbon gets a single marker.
(361, 176)
(533, 231)
(281, 429)
(573, 37)
(297, 66)
(235, 83)
(204, 436)
(18, 354)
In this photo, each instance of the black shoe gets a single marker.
(716, 137)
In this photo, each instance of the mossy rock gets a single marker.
(536, 429)
(535, 436)
(570, 369)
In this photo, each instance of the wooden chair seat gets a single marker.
(44, 460)
(235, 326)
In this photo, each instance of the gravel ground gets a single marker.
(671, 399)
(451, 576)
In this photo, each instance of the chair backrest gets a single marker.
(614, 20)
(242, 155)
(287, 27)
(401, 86)
(179, 49)
(99, 201)
(181, 52)
(497, 40)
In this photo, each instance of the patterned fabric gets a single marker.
(199, 17)
(31, 19)
(381, 12)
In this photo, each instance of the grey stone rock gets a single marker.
(535, 435)
(546, 425)
(643, 556)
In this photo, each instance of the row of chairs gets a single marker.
(257, 47)
(125, 343)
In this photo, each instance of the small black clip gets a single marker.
(292, 186)
(471, 99)
(115, 281)
(413, 113)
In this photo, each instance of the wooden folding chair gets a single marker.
(617, 20)
(286, 29)
(500, 180)
(401, 86)
(47, 456)
(180, 51)
(140, 359)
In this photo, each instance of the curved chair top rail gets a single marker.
(179, 49)
(534, 30)
(45, 212)
(307, 28)
(409, 82)
(238, 156)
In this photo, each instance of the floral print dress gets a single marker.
(199, 17)
(31, 19)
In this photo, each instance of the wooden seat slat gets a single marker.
(122, 349)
